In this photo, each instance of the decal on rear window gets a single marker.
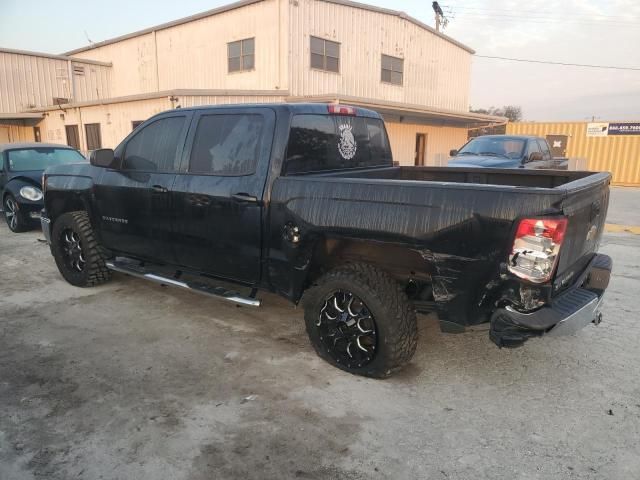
(347, 145)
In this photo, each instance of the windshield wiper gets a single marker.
(466, 153)
(493, 154)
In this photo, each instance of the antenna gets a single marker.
(88, 39)
(441, 20)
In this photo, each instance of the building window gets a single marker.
(78, 70)
(325, 54)
(73, 136)
(36, 134)
(392, 69)
(241, 55)
(94, 139)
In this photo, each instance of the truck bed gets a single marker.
(459, 220)
(511, 177)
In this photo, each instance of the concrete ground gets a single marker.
(133, 380)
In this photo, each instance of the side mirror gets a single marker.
(453, 153)
(535, 157)
(102, 157)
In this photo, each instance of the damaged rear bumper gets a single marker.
(568, 312)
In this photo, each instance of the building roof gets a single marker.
(20, 116)
(243, 3)
(408, 113)
(54, 57)
(395, 111)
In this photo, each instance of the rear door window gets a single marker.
(227, 144)
(334, 142)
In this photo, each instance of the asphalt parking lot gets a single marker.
(135, 380)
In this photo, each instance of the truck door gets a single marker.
(133, 202)
(217, 197)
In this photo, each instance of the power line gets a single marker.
(519, 12)
(542, 19)
(609, 67)
(549, 21)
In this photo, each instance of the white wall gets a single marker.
(439, 141)
(436, 72)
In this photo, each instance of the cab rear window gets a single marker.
(335, 142)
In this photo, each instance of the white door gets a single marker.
(4, 135)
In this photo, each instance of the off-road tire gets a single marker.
(21, 224)
(395, 317)
(95, 270)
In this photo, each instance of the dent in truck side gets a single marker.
(458, 250)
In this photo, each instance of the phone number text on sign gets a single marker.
(624, 129)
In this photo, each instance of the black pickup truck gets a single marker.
(303, 200)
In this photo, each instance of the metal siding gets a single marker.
(439, 141)
(196, 101)
(29, 81)
(194, 54)
(618, 154)
(436, 72)
(134, 66)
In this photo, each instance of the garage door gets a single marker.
(4, 134)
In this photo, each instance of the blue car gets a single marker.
(21, 168)
(506, 151)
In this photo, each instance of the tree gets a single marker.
(512, 112)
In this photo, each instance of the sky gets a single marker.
(604, 32)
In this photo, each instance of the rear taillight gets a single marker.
(336, 109)
(536, 248)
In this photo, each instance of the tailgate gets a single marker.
(585, 205)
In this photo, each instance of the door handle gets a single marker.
(159, 189)
(244, 198)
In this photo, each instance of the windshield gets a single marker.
(494, 147)
(39, 158)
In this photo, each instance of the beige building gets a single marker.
(252, 51)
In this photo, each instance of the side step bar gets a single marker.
(211, 291)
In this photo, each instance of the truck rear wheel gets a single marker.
(77, 253)
(359, 319)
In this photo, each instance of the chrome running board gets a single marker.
(211, 291)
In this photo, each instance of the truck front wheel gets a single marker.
(77, 253)
(359, 319)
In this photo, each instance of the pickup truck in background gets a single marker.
(507, 151)
(303, 200)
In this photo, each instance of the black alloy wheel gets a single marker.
(347, 330)
(78, 254)
(72, 250)
(360, 320)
